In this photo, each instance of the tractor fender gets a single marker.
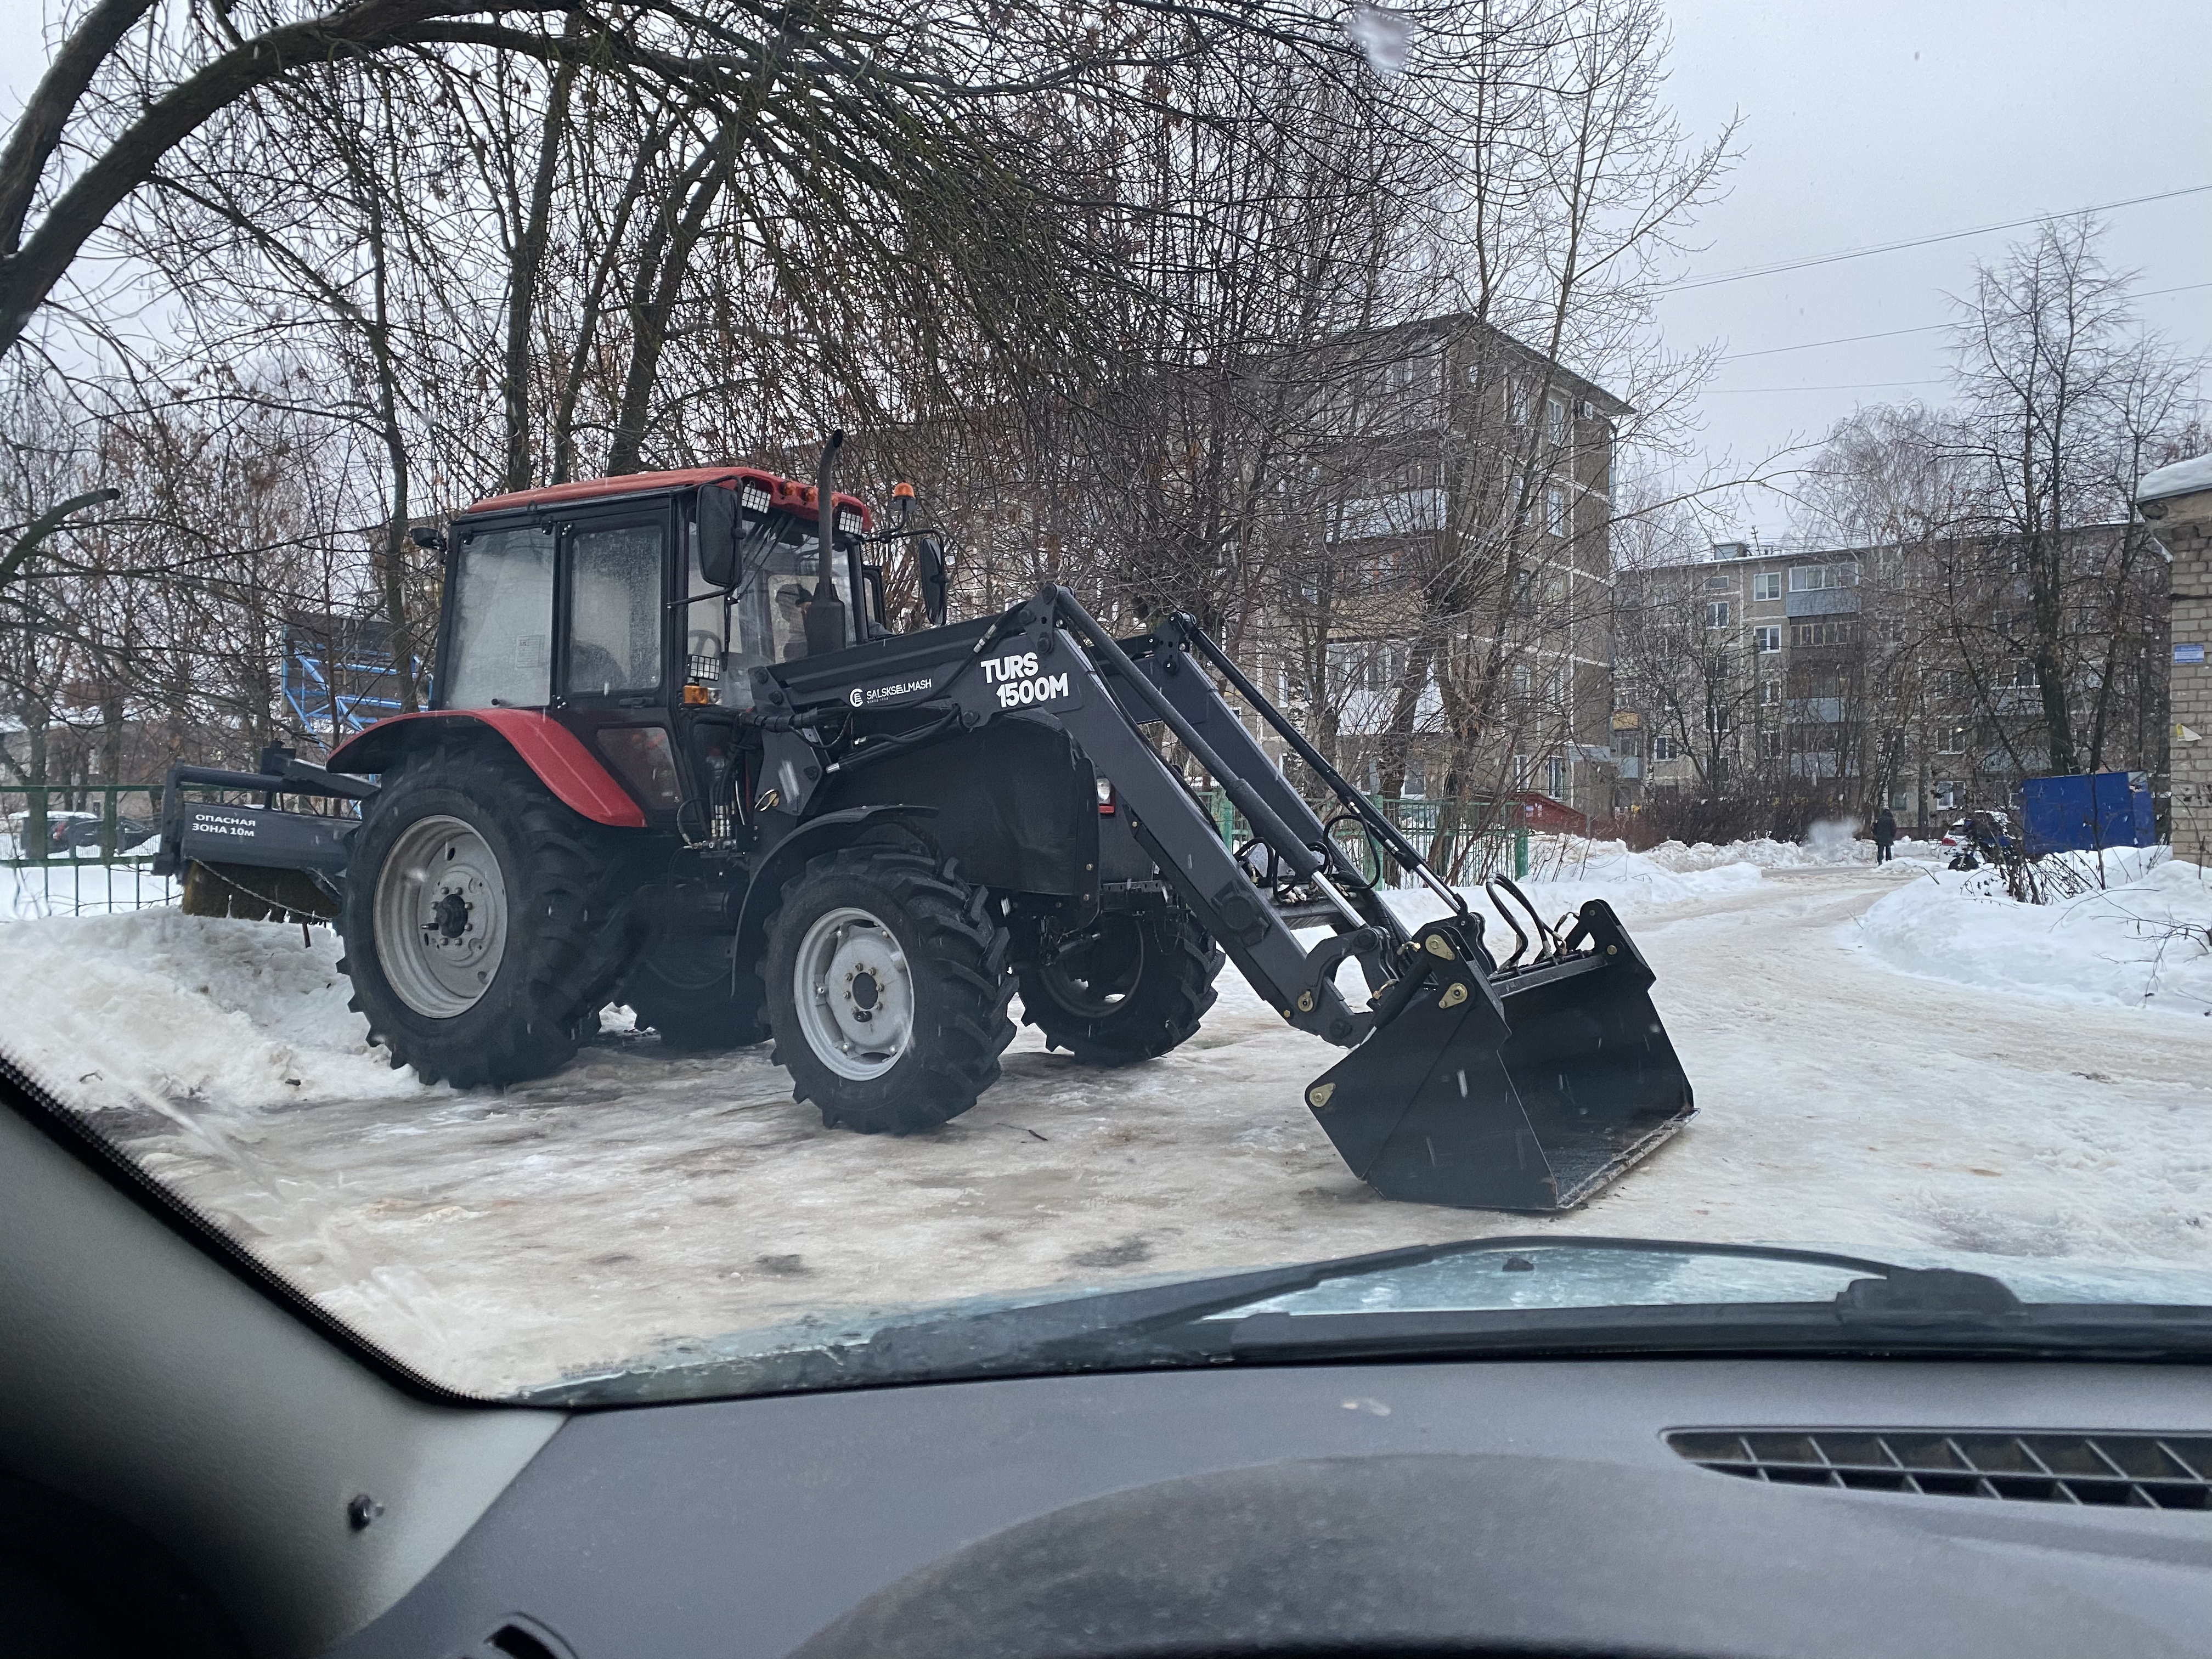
(831, 830)
(548, 748)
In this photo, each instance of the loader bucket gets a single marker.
(1528, 1090)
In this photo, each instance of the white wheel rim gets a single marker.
(854, 994)
(441, 919)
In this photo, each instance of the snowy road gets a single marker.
(494, 1239)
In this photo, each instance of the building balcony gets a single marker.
(1824, 602)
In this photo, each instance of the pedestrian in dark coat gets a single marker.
(1885, 835)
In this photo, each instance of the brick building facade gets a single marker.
(2176, 502)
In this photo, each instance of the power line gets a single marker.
(1863, 385)
(1925, 328)
(1848, 339)
(1919, 241)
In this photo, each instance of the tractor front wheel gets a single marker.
(475, 905)
(887, 989)
(1133, 987)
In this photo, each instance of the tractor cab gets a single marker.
(633, 610)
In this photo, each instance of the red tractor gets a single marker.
(675, 758)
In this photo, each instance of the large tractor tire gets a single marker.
(474, 920)
(687, 987)
(887, 989)
(1135, 989)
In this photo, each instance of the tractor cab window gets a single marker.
(500, 650)
(761, 622)
(614, 610)
(788, 583)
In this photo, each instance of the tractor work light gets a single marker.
(755, 499)
(848, 521)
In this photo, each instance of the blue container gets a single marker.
(2080, 813)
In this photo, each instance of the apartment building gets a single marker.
(1835, 681)
(1449, 629)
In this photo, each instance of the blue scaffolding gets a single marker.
(339, 675)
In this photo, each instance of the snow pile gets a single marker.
(1630, 882)
(2144, 940)
(159, 1006)
(2181, 479)
(1829, 846)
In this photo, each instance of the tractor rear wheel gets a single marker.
(689, 988)
(1136, 987)
(475, 906)
(887, 989)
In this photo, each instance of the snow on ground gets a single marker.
(2144, 940)
(159, 1008)
(638, 1199)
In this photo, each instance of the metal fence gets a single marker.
(79, 850)
(1459, 852)
(86, 849)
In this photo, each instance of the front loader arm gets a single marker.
(1183, 841)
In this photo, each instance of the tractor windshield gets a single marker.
(761, 623)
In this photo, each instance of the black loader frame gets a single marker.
(1523, 1085)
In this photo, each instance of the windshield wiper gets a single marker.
(1188, 1322)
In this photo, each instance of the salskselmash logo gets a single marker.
(860, 696)
(1020, 683)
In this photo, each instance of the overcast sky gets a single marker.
(1888, 119)
(1875, 122)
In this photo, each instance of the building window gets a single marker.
(1947, 796)
(1720, 583)
(1417, 777)
(1821, 633)
(1558, 688)
(1717, 721)
(1770, 693)
(1555, 420)
(1520, 679)
(1719, 613)
(1662, 746)
(1555, 509)
(1954, 742)
(1767, 640)
(1811, 578)
(1766, 584)
(1770, 744)
(1520, 771)
(1555, 778)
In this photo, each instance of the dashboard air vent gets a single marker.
(2128, 1471)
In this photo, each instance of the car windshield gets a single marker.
(1440, 738)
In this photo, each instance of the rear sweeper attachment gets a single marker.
(677, 759)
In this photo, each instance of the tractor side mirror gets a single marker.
(718, 537)
(935, 579)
